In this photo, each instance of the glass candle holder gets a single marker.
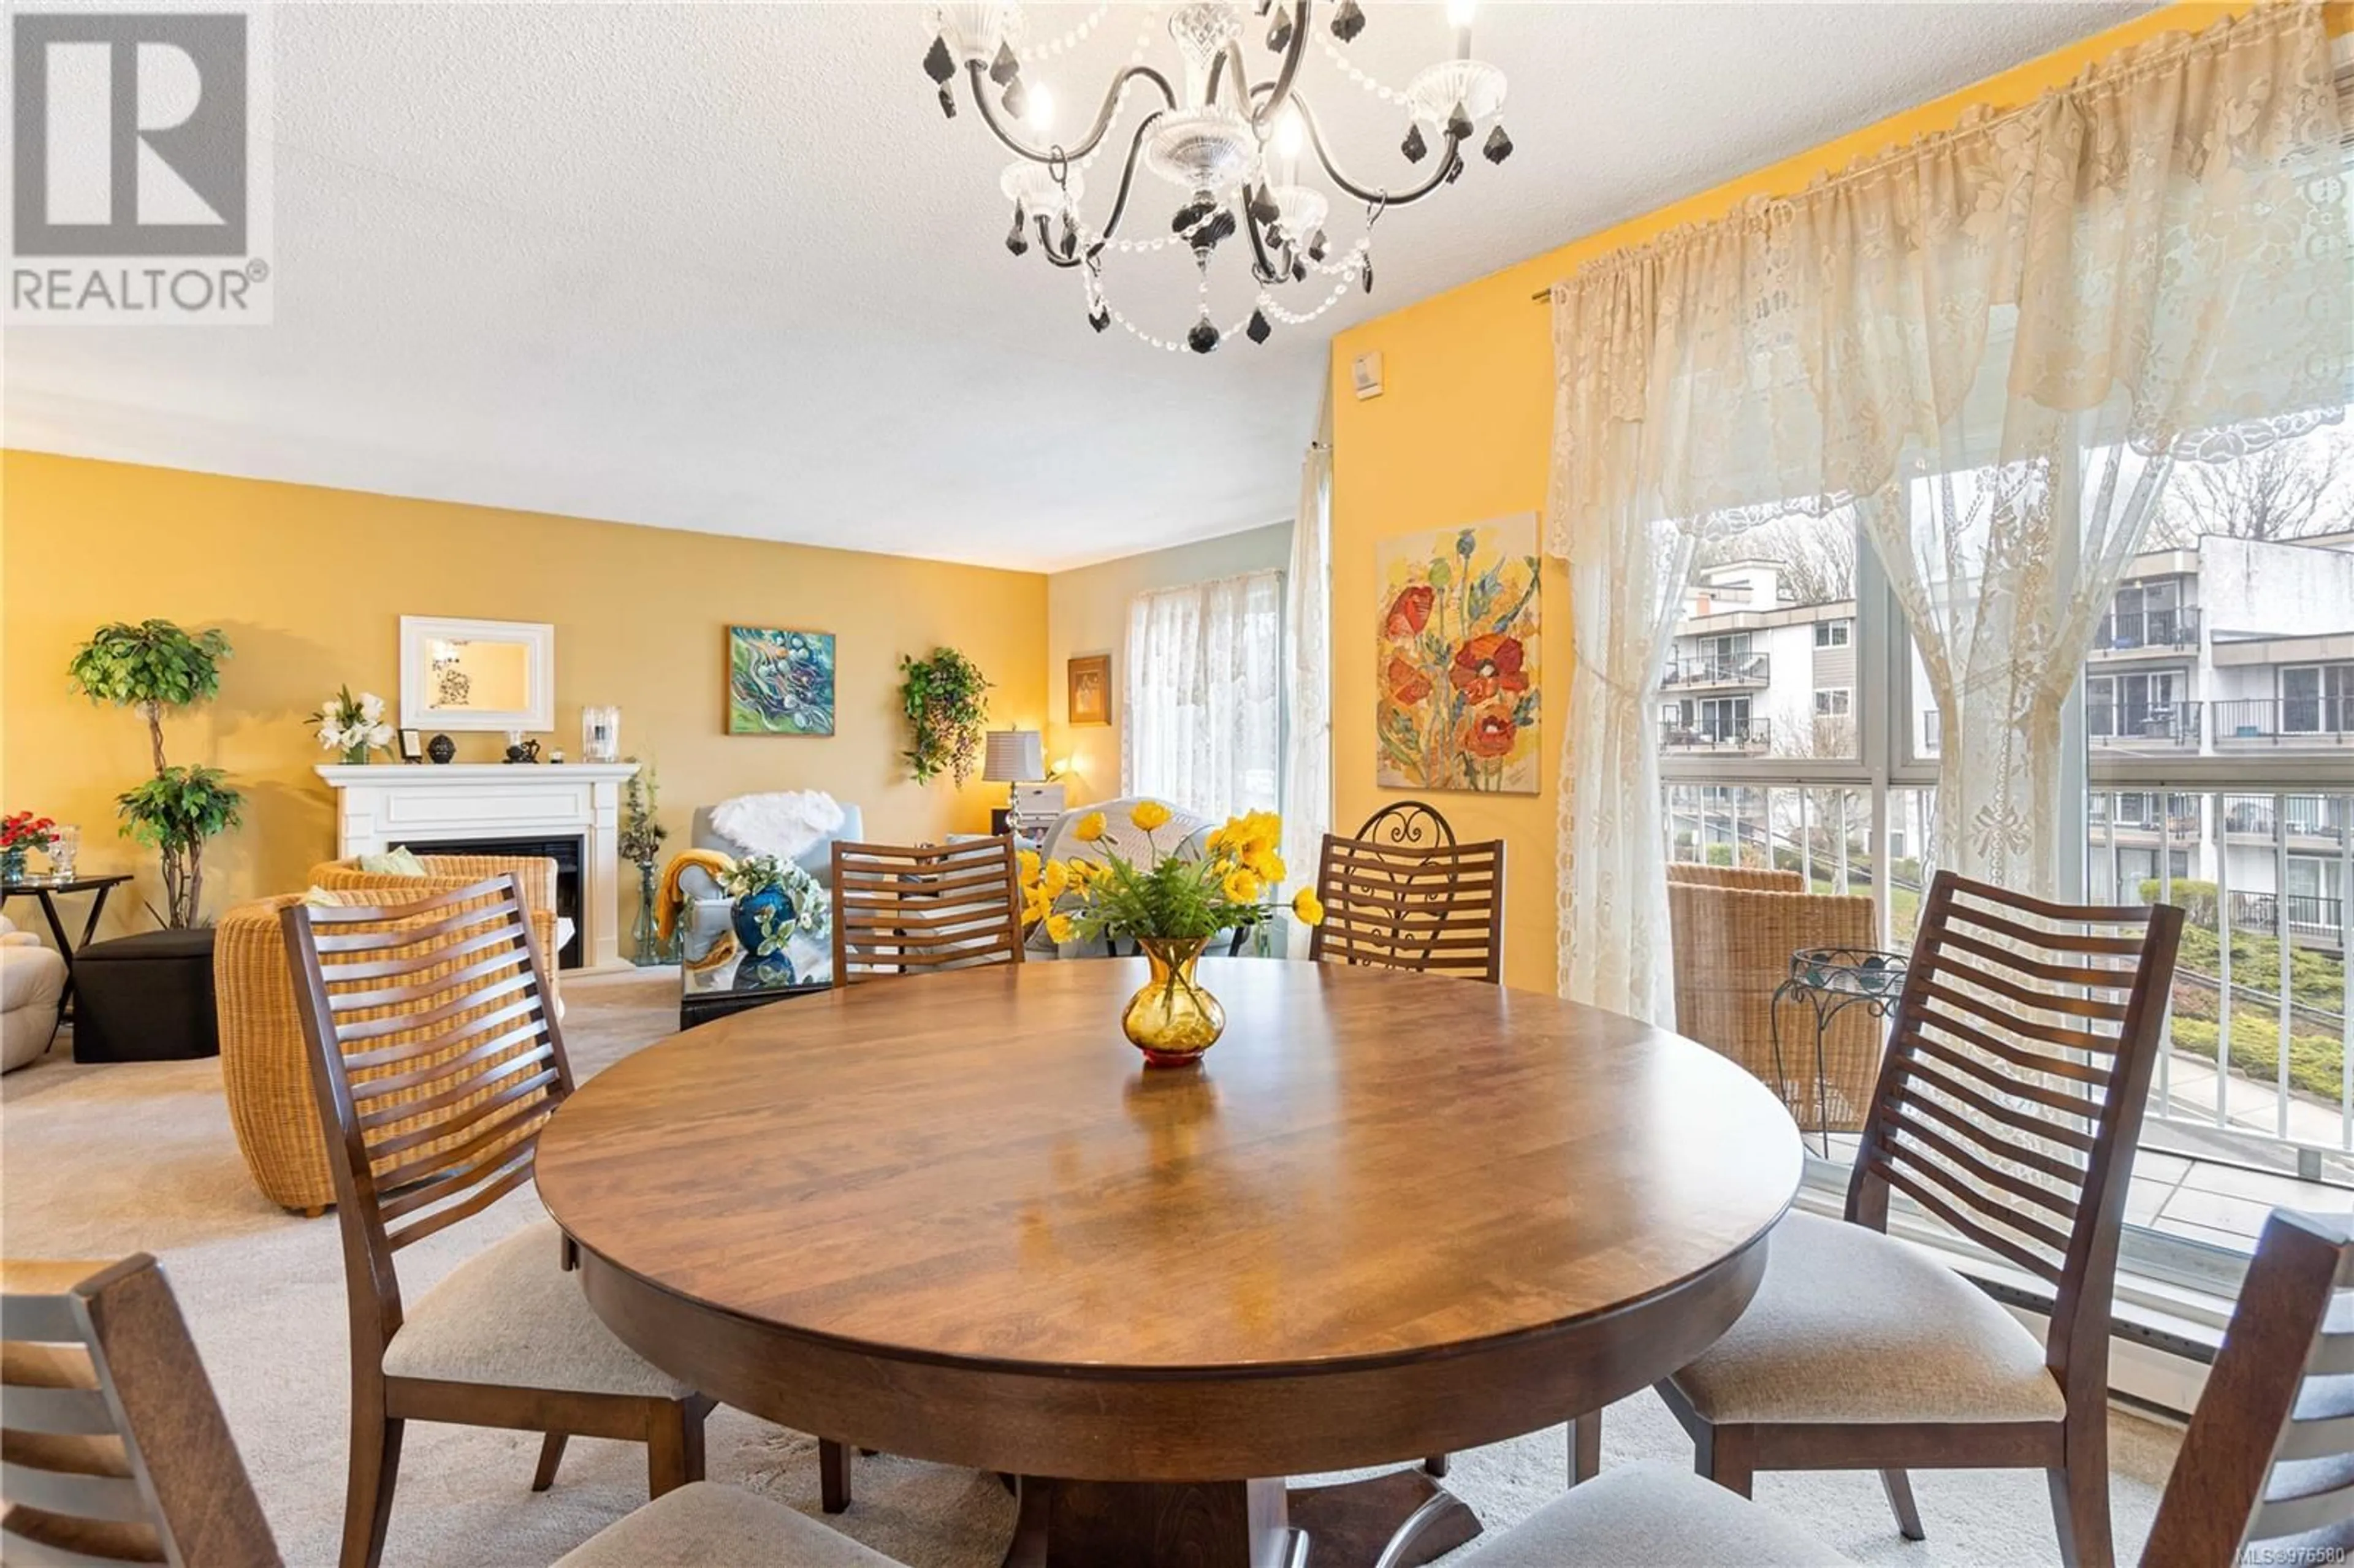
(600, 733)
(65, 843)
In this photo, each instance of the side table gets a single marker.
(1830, 980)
(45, 891)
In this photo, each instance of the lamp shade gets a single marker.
(1015, 757)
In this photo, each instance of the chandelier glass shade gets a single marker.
(1210, 160)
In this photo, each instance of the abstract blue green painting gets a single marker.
(780, 683)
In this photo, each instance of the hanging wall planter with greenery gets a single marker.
(947, 699)
(153, 667)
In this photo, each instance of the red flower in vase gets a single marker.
(1410, 611)
(1490, 734)
(1408, 685)
(1488, 664)
(25, 831)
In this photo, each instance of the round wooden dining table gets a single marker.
(1389, 1215)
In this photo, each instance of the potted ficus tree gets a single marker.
(154, 668)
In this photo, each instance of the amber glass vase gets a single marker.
(1171, 1019)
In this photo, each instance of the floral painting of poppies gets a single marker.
(1457, 659)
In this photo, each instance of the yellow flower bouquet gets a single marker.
(1169, 907)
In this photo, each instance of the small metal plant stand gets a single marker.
(1830, 980)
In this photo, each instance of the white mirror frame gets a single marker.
(418, 635)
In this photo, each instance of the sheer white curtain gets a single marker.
(1205, 724)
(1308, 612)
(1994, 343)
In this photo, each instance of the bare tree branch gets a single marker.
(2294, 490)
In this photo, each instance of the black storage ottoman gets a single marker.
(147, 998)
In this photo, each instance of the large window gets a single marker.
(1203, 727)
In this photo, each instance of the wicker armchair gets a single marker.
(1734, 929)
(265, 1069)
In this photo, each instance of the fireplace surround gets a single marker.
(501, 807)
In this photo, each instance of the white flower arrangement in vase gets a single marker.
(353, 726)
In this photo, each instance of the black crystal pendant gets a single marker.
(1070, 236)
(947, 103)
(1203, 337)
(1016, 99)
(1459, 124)
(1316, 246)
(1278, 33)
(1215, 232)
(1015, 241)
(1100, 317)
(1368, 274)
(1263, 207)
(1258, 331)
(1004, 68)
(1498, 147)
(1348, 21)
(1298, 272)
(1414, 146)
(938, 64)
(1455, 170)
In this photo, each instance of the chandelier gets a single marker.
(1232, 148)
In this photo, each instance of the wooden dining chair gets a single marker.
(116, 1449)
(913, 909)
(450, 994)
(1403, 895)
(2263, 1475)
(2008, 1106)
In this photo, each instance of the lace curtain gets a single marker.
(1995, 344)
(1205, 725)
(1307, 743)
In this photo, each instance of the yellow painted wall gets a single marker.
(310, 585)
(1462, 429)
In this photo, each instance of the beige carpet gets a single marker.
(99, 1162)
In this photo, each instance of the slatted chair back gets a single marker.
(2011, 1093)
(445, 1001)
(907, 909)
(2264, 1472)
(1438, 907)
(116, 1449)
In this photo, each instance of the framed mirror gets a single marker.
(477, 675)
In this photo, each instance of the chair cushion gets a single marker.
(1650, 1514)
(704, 1524)
(1851, 1326)
(511, 1315)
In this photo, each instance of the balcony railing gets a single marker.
(2312, 818)
(1740, 669)
(2312, 920)
(2294, 722)
(1746, 738)
(2156, 631)
(2126, 726)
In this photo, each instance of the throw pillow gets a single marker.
(395, 861)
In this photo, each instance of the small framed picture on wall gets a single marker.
(1090, 690)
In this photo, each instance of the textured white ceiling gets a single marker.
(725, 267)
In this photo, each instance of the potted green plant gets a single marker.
(154, 668)
(774, 899)
(947, 702)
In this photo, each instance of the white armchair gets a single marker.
(32, 988)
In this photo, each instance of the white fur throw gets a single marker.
(786, 824)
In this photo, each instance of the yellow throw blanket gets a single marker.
(668, 899)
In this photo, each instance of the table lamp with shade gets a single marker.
(1016, 757)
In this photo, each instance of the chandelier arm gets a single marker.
(1280, 92)
(976, 69)
(1261, 267)
(1128, 177)
(1046, 249)
(1448, 156)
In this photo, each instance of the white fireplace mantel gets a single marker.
(383, 804)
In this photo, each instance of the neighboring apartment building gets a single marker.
(2236, 648)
